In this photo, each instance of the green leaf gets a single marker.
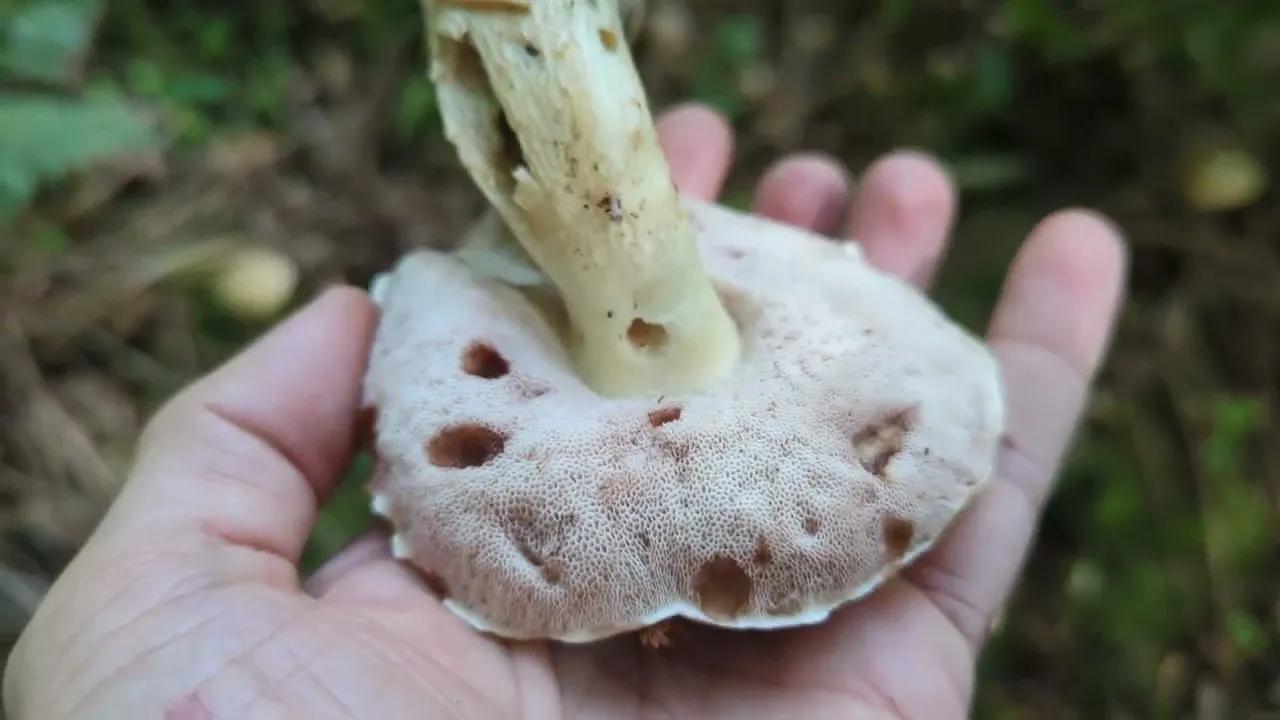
(145, 78)
(342, 518)
(992, 80)
(44, 139)
(1235, 419)
(712, 88)
(216, 36)
(47, 41)
(738, 41)
(416, 109)
(740, 38)
(738, 199)
(1248, 634)
(201, 89)
(50, 240)
(1045, 25)
(894, 14)
(1237, 525)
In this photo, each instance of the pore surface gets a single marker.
(858, 424)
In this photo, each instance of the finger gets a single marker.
(365, 572)
(246, 455)
(902, 215)
(698, 143)
(808, 191)
(369, 546)
(366, 577)
(1049, 333)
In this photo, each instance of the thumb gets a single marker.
(246, 455)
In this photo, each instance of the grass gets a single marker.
(156, 139)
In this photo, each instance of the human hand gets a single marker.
(187, 601)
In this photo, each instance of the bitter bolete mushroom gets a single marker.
(666, 408)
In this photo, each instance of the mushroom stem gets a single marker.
(546, 109)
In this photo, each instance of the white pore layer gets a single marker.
(859, 423)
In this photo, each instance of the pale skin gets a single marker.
(187, 602)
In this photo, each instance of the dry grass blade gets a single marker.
(70, 484)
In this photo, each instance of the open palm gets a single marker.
(187, 601)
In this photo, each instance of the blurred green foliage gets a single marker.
(45, 137)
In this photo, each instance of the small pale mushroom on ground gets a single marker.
(679, 411)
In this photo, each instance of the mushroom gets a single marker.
(664, 408)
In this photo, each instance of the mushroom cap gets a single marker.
(859, 423)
